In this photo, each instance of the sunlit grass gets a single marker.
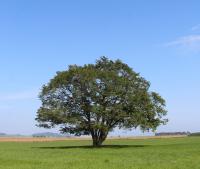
(170, 153)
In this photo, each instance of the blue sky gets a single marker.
(159, 39)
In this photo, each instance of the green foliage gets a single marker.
(172, 153)
(96, 98)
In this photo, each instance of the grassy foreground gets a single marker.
(170, 153)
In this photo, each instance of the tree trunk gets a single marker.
(97, 143)
(98, 138)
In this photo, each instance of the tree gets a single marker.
(95, 98)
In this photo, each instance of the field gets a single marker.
(152, 153)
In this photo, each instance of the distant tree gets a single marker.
(95, 98)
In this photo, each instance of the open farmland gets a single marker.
(165, 153)
(49, 139)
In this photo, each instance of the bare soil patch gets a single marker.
(30, 139)
(39, 139)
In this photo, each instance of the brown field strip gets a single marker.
(29, 139)
(32, 139)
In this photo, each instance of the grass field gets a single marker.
(166, 153)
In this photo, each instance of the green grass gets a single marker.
(171, 153)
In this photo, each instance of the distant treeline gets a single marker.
(49, 134)
(10, 135)
(195, 134)
(172, 133)
(2, 134)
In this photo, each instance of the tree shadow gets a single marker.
(91, 147)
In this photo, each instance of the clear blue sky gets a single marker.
(159, 39)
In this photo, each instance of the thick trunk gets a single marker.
(98, 138)
(97, 143)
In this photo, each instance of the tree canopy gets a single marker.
(96, 98)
